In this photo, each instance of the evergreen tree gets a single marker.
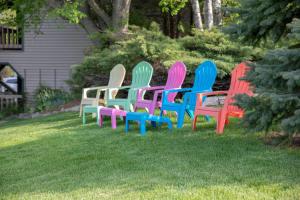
(276, 77)
(263, 19)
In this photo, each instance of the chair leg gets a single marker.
(80, 110)
(113, 121)
(180, 119)
(170, 126)
(100, 120)
(126, 126)
(130, 107)
(161, 113)
(195, 122)
(227, 120)
(151, 110)
(143, 127)
(97, 117)
(221, 123)
(83, 118)
(134, 108)
(153, 124)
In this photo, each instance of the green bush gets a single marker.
(161, 51)
(10, 110)
(50, 99)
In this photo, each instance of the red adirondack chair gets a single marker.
(222, 114)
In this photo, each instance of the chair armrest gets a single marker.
(118, 88)
(95, 88)
(109, 90)
(152, 88)
(187, 95)
(200, 96)
(99, 89)
(212, 93)
(178, 90)
(141, 91)
(167, 92)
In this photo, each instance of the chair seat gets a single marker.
(92, 100)
(111, 101)
(113, 113)
(146, 102)
(207, 108)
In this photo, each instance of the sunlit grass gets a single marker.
(57, 158)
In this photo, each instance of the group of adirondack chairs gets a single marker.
(193, 101)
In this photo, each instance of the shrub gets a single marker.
(50, 99)
(161, 51)
(10, 110)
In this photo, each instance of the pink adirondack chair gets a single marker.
(222, 114)
(176, 76)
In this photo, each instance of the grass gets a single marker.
(57, 158)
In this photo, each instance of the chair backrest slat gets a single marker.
(237, 86)
(205, 76)
(176, 76)
(141, 77)
(116, 78)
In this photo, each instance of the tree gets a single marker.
(120, 17)
(208, 14)
(266, 19)
(8, 17)
(75, 11)
(120, 14)
(217, 11)
(197, 14)
(276, 78)
(172, 9)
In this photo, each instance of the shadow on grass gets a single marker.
(79, 156)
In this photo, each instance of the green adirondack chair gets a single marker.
(141, 77)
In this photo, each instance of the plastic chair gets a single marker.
(176, 76)
(222, 114)
(141, 77)
(205, 76)
(116, 78)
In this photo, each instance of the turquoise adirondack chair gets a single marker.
(205, 76)
(141, 77)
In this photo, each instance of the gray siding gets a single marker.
(46, 58)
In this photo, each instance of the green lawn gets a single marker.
(57, 158)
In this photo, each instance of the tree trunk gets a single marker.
(217, 10)
(99, 12)
(178, 18)
(86, 22)
(172, 26)
(208, 14)
(166, 24)
(197, 14)
(120, 16)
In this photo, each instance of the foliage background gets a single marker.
(161, 51)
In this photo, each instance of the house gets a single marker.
(41, 59)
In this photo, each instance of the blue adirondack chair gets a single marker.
(205, 76)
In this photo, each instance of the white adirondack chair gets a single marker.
(116, 79)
